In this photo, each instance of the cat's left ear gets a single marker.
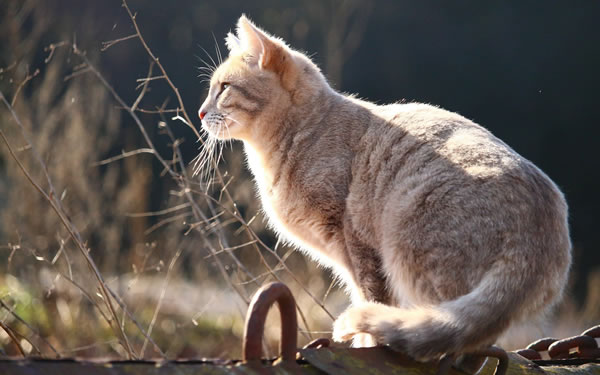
(266, 51)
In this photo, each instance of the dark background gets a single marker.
(526, 70)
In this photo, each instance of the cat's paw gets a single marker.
(364, 340)
(349, 324)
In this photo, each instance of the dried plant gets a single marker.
(68, 128)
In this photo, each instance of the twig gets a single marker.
(148, 79)
(165, 221)
(123, 156)
(155, 59)
(85, 347)
(52, 47)
(106, 45)
(28, 78)
(137, 324)
(8, 68)
(76, 73)
(159, 213)
(23, 337)
(14, 339)
(233, 248)
(33, 330)
(160, 299)
(156, 112)
(144, 89)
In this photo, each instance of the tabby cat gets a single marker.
(443, 235)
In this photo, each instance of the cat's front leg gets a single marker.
(370, 285)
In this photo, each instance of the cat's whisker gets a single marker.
(229, 117)
(205, 69)
(218, 50)
(214, 64)
(208, 65)
(202, 163)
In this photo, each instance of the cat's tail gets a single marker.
(470, 322)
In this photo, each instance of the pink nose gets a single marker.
(201, 114)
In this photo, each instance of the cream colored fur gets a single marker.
(442, 233)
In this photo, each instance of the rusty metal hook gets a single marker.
(498, 353)
(262, 301)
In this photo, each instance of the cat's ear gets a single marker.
(266, 51)
(233, 43)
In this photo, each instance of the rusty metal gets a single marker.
(593, 332)
(542, 345)
(262, 301)
(583, 346)
(586, 348)
(495, 352)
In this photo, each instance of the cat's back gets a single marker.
(437, 179)
(417, 139)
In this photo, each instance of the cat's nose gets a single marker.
(201, 114)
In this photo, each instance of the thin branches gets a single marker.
(106, 45)
(202, 212)
(160, 299)
(54, 200)
(35, 332)
(162, 69)
(13, 337)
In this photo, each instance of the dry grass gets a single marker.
(92, 265)
(84, 250)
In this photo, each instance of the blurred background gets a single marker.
(179, 256)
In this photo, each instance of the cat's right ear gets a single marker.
(267, 52)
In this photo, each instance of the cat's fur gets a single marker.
(442, 233)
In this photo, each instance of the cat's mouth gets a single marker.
(222, 129)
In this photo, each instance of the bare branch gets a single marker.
(33, 330)
(144, 89)
(14, 339)
(155, 59)
(28, 78)
(52, 47)
(106, 45)
(124, 155)
(160, 299)
(161, 212)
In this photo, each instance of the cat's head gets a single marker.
(260, 80)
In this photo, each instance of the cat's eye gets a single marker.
(222, 88)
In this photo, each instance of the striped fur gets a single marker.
(443, 235)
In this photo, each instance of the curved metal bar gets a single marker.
(594, 332)
(586, 347)
(262, 301)
(542, 345)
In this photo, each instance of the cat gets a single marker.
(442, 234)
